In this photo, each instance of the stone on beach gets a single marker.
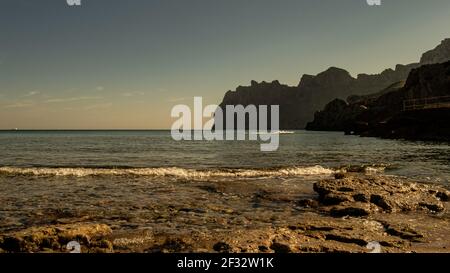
(360, 195)
(348, 213)
(55, 238)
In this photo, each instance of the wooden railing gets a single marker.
(426, 103)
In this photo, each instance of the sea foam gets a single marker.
(168, 172)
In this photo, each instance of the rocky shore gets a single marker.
(347, 213)
(416, 110)
(313, 92)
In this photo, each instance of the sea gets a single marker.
(135, 180)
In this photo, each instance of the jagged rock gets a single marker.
(442, 195)
(299, 103)
(358, 195)
(372, 209)
(403, 231)
(54, 237)
(222, 247)
(428, 81)
(338, 115)
(339, 175)
(356, 209)
(280, 248)
(438, 55)
(170, 245)
(13, 244)
(383, 114)
(335, 199)
(308, 203)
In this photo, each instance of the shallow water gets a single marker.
(144, 179)
(156, 149)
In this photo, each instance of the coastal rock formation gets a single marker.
(366, 99)
(55, 238)
(428, 81)
(354, 195)
(338, 115)
(437, 55)
(354, 212)
(383, 114)
(265, 93)
(298, 103)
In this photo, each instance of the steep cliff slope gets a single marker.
(299, 103)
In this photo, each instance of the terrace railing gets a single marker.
(426, 103)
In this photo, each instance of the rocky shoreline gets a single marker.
(298, 104)
(416, 110)
(347, 214)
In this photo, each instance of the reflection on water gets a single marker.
(106, 149)
(144, 179)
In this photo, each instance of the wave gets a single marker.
(273, 133)
(168, 172)
(366, 168)
(284, 132)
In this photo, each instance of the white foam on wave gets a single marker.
(169, 172)
(273, 133)
(373, 170)
(285, 132)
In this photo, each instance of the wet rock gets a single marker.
(335, 199)
(53, 237)
(102, 246)
(263, 248)
(356, 209)
(434, 207)
(381, 201)
(171, 245)
(403, 231)
(360, 197)
(404, 226)
(49, 243)
(443, 195)
(222, 247)
(385, 194)
(308, 203)
(339, 175)
(346, 239)
(210, 189)
(194, 210)
(13, 244)
(281, 248)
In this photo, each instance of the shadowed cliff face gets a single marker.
(272, 93)
(382, 114)
(429, 81)
(299, 103)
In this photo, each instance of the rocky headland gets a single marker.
(416, 110)
(299, 103)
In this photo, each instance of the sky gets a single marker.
(116, 64)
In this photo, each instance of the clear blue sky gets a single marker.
(124, 64)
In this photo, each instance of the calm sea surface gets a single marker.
(128, 179)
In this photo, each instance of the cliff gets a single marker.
(391, 113)
(299, 103)
(437, 55)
